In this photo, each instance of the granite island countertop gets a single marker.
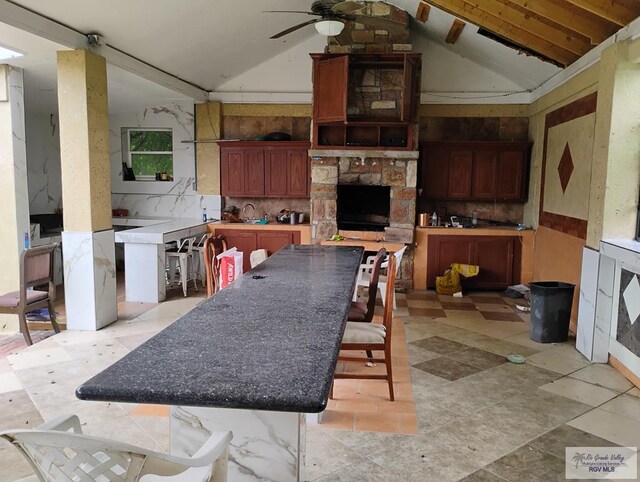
(269, 343)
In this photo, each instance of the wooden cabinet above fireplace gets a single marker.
(365, 101)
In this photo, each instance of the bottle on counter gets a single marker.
(474, 218)
(204, 214)
(434, 219)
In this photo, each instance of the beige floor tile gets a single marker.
(9, 382)
(495, 308)
(615, 428)
(37, 357)
(524, 339)
(424, 304)
(625, 406)
(501, 329)
(604, 376)
(579, 391)
(561, 359)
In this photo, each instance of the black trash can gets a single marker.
(550, 310)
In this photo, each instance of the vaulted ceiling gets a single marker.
(558, 30)
(216, 44)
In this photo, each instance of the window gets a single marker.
(148, 152)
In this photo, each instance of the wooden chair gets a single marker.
(372, 337)
(213, 246)
(58, 451)
(36, 268)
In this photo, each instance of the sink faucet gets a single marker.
(253, 212)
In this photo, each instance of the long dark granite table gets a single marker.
(266, 345)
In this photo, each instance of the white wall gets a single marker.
(43, 162)
(151, 198)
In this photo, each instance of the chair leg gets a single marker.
(184, 264)
(394, 300)
(370, 355)
(387, 362)
(331, 391)
(52, 317)
(193, 271)
(24, 328)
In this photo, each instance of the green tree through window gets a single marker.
(149, 151)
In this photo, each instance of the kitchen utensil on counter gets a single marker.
(423, 220)
(300, 218)
(278, 136)
(283, 216)
(293, 217)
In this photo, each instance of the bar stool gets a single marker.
(182, 257)
(198, 258)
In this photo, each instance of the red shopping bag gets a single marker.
(230, 266)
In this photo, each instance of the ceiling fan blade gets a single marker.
(347, 7)
(290, 11)
(294, 28)
(377, 22)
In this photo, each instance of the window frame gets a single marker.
(127, 152)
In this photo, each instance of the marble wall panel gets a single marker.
(43, 163)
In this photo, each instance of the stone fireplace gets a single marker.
(395, 169)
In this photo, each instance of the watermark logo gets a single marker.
(601, 463)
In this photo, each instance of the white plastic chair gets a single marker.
(183, 255)
(59, 452)
(365, 273)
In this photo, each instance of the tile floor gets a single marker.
(463, 412)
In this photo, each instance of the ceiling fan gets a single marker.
(333, 14)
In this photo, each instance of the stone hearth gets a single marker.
(396, 169)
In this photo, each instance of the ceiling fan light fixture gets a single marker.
(329, 28)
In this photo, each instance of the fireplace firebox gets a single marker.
(363, 207)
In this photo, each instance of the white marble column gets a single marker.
(88, 243)
(266, 446)
(14, 208)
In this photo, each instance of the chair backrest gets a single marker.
(373, 283)
(204, 237)
(213, 246)
(36, 265)
(387, 316)
(186, 245)
(398, 255)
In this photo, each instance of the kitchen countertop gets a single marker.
(264, 344)
(481, 231)
(155, 230)
(270, 225)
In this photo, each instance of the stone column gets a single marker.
(14, 208)
(88, 242)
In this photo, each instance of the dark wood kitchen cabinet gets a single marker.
(248, 240)
(497, 256)
(338, 97)
(475, 171)
(264, 169)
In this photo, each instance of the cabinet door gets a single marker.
(460, 172)
(330, 86)
(435, 173)
(411, 89)
(232, 170)
(276, 173)
(254, 172)
(298, 173)
(494, 255)
(511, 175)
(443, 251)
(484, 175)
(273, 241)
(242, 239)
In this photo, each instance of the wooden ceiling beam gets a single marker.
(562, 14)
(506, 30)
(611, 10)
(422, 14)
(532, 25)
(454, 32)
